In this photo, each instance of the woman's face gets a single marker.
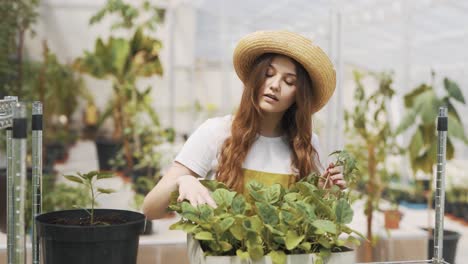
(278, 92)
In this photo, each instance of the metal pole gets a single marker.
(36, 127)
(442, 126)
(8, 111)
(19, 181)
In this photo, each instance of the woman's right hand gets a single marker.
(192, 190)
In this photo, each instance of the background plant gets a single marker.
(371, 140)
(422, 108)
(123, 61)
(270, 220)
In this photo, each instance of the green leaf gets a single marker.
(343, 211)
(410, 97)
(105, 190)
(243, 255)
(90, 175)
(184, 226)
(353, 240)
(225, 246)
(103, 175)
(306, 246)
(274, 231)
(238, 204)
(226, 224)
(213, 185)
(273, 193)
(206, 212)
(237, 230)
(223, 197)
(291, 197)
(277, 256)
(204, 235)
(454, 90)
(324, 226)
(416, 143)
(293, 239)
(255, 252)
(408, 121)
(427, 105)
(456, 129)
(267, 213)
(73, 178)
(308, 210)
(189, 212)
(323, 240)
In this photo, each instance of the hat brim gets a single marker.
(311, 57)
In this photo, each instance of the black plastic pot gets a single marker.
(103, 244)
(449, 246)
(106, 150)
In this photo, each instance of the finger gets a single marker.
(341, 184)
(336, 177)
(210, 201)
(200, 200)
(334, 170)
(193, 201)
(331, 165)
(181, 197)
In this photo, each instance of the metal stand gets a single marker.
(13, 119)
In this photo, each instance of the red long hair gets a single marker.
(296, 123)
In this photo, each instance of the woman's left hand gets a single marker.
(332, 176)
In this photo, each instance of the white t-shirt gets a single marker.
(267, 154)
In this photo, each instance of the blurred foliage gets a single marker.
(60, 89)
(123, 61)
(148, 15)
(17, 18)
(422, 108)
(371, 139)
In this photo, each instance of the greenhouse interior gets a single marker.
(130, 131)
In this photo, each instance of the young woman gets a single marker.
(287, 79)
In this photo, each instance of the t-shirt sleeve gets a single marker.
(200, 149)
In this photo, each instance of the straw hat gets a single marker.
(295, 46)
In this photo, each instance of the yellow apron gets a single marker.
(266, 178)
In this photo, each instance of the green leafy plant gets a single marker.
(270, 220)
(422, 106)
(88, 180)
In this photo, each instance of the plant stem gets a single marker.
(92, 202)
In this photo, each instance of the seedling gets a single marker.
(89, 180)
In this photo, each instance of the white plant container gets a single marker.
(196, 256)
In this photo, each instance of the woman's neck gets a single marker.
(270, 125)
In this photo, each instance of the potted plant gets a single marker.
(393, 215)
(299, 224)
(372, 141)
(96, 236)
(124, 61)
(422, 105)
